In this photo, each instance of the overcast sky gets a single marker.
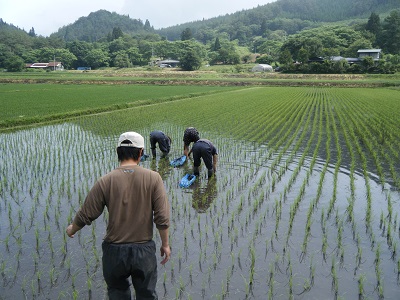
(47, 16)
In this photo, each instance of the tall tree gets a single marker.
(217, 45)
(286, 58)
(263, 27)
(186, 34)
(190, 60)
(32, 32)
(147, 25)
(391, 33)
(374, 24)
(116, 33)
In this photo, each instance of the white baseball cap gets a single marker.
(134, 138)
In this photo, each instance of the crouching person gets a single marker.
(204, 149)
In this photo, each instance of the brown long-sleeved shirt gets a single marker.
(135, 198)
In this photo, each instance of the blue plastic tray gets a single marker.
(187, 180)
(177, 162)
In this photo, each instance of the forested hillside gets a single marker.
(278, 33)
(288, 15)
(98, 25)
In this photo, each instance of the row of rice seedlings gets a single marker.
(213, 220)
(291, 131)
(383, 132)
(364, 169)
(350, 210)
(378, 272)
(308, 146)
(278, 113)
(338, 161)
(294, 206)
(363, 132)
(292, 153)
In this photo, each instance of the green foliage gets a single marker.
(190, 59)
(374, 24)
(14, 64)
(97, 25)
(107, 39)
(97, 58)
(264, 59)
(390, 38)
(226, 54)
(186, 34)
(290, 16)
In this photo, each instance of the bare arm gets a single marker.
(215, 160)
(165, 249)
(186, 150)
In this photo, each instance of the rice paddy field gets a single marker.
(304, 204)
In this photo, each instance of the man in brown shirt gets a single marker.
(135, 198)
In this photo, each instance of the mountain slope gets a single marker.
(98, 25)
(301, 13)
(291, 16)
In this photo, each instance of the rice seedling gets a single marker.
(311, 157)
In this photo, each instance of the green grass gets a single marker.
(30, 103)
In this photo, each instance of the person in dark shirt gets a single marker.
(163, 140)
(204, 149)
(191, 135)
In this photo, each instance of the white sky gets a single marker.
(47, 16)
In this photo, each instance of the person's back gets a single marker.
(135, 198)
(204, 149)
(131, 193)
(163, 140)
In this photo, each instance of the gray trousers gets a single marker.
(137, 261)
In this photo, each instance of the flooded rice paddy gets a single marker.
(308, 218)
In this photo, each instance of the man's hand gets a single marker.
(166, 253)
(72, 229)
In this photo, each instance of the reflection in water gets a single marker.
(204, 196)
(161, 166)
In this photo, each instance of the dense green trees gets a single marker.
(390, 35)
(186, 34)
(191, 57)
(98, 25)
(271, 32)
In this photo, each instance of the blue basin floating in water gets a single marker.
(187, 180)
(177, 162)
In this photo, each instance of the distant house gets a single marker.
(53, 66)
(362, 53)
(262, 68)
(169, 63)
(374, 53)
(350, 60)
(316, 59)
